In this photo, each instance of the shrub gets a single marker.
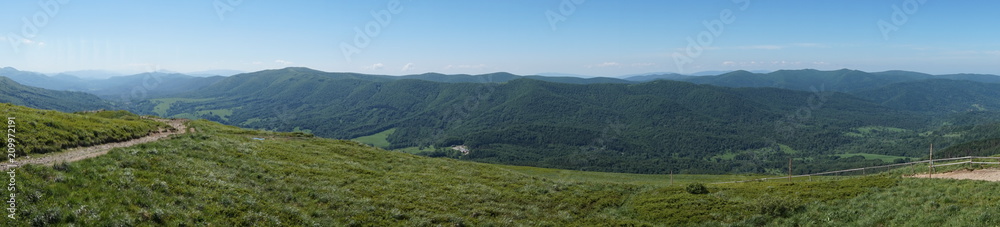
(775, 206)
(696, 188)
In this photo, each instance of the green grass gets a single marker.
(45, 131)
(914, 202)
(416, 150)
(659, 180)
(884, 158)
(221, 176)
(163, 105)
(378, 139)
(221, 113)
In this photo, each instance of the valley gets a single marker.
(539, 153)
(500, 113)
(222, 175)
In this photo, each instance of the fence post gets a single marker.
(789, 169)
(931, 166)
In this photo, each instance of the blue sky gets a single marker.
(600, 38)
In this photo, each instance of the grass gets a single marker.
(884, 158)
(221, 176)
(163, 105)
(416, 150)
(659, 180)
(913, 202)
(45, 131)
(221, 113)
(378, 139)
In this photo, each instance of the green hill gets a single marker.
(843, 80)
(223, 176)
(937, 95)
(653, 127)
(45, 131)
(15, 93)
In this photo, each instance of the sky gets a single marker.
(585, 37)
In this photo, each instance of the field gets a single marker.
(415, 150)
(163, 105)
(378, 139)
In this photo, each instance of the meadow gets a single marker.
(45, 131)
(221, 175)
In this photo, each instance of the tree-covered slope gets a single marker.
(651, 127)
(808, 80)
(938, 95)
(15, 93)
(843, 80)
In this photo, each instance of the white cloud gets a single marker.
(643, 64)
(376, 66)
(407, 67)
(283, 62)
(606, 64)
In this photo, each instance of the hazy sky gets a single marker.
(590, 37)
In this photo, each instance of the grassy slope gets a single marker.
(378, 139)
(223, 177)
(660, 180)
(163, 105)
(44, 131)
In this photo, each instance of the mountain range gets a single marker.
(734, 122)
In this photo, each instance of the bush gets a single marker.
(776, 206)
(697, 188)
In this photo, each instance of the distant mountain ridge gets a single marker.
(844, 80)
(521, 120)
(152, 84)
(66, 101)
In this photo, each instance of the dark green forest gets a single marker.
(652, 127)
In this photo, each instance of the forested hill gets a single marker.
(937, 95)
(650, 127)
(843, 80)
(17, 94)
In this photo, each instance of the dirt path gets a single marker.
(80, 153)
(979, 174)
